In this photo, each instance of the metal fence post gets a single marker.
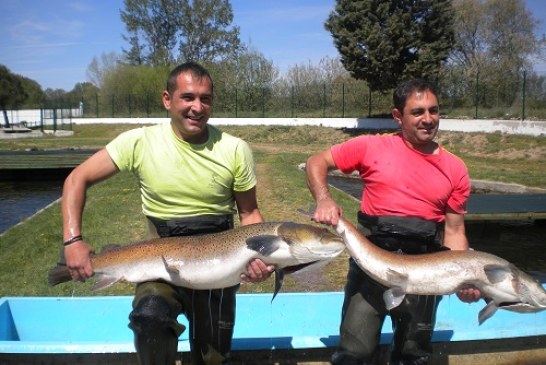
(343, 100)
(97, 104)
(477, 94)
(369, 102)
(42, 120)
(292, 102)
(263, 102)
(524, 86)
(324, 100)
(129, 106)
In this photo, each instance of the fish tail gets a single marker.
(57, 275)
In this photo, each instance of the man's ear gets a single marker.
(397, 116)
(166, 100)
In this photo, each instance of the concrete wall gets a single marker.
(532, 128)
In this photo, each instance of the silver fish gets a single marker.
(501, 283)
(214, 260)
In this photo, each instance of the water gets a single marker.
(21, 199)
(520, 242)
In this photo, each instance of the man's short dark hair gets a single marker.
(406, 88)
(196, 70)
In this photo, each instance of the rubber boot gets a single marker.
(156, 347)
(344, 358)
(422, 360)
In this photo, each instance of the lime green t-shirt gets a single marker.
(178, 179)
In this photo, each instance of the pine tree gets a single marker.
(386, 41)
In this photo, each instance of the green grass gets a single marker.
(113, 213)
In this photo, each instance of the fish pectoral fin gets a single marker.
(393, 297)
(397, 278)
(171, 269)
(264, 244)
(279, 279)
(104, 281)
(487, 312)
(496, 273)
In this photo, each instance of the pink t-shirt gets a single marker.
(400, 181)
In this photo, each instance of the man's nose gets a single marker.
(197, 105)
(427, 117)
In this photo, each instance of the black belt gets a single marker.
(189, 226)
(407, 234)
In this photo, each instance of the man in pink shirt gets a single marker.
(413, 202)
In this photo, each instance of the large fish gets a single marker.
(214, 260)
(501, 283)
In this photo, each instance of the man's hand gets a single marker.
(327, 212)
(77, 260)
(257, 271)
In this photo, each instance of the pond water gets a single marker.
(520, 242)
(21, 199)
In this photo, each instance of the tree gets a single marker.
(384, 41)
(495, 41)
(157, 22)
(35, 95)
(12, 93)
(199, 29)
(99, 67)
(134, 55)
(496, 34)
(206, 31)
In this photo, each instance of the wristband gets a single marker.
(72, 240)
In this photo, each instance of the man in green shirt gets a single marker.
(192, 178)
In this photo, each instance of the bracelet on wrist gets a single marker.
(72, 240)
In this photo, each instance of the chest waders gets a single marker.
(364, 312)
(157, 304)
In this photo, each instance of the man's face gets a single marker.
(420, 118)
(189, 107)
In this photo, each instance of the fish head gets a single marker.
(531, 292)
(318, 243)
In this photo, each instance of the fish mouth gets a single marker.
(329, 251)
(521, 307)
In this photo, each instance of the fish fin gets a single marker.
(264, 244)
(496, 273)
(59, 274)
(279, 278)
(171, 269)
(295, 269)
(487, 312)
(104, 282)
(397, 278)
(393, 297)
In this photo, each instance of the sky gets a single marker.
(54, 41)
